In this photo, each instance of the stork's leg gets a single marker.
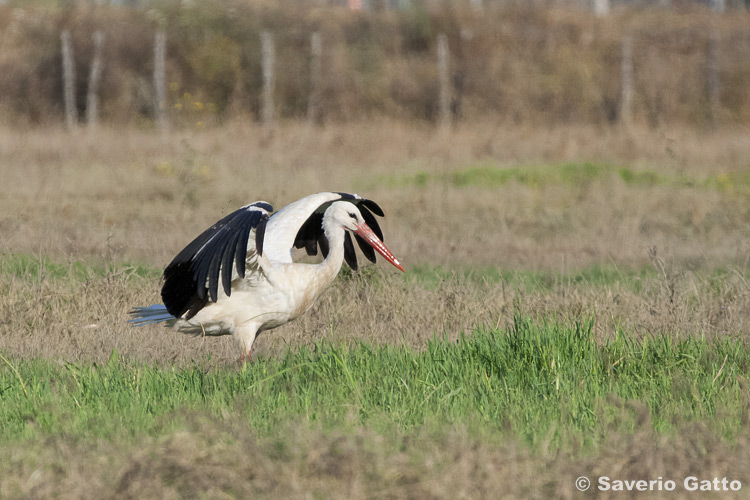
(245, 358)
(244, 335)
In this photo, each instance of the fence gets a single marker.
(541, 67)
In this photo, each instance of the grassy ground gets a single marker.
(546, 386)
(521, 379)
(575, 303)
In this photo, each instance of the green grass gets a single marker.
(567, 173)
(537, 381)
(532, 281)
(491, 175)
(33, 269)
(595, 276)
(36, 268)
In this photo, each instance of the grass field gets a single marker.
(548, 386)
(575, 303)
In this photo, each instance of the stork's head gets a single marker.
(348, 216)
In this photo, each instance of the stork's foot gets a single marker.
(245, 358)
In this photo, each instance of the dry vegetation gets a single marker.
(107, 194)
(675, 253)
(363, 464)
(87, 207)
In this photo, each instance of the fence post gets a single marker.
(626, 68)
(601, 8)
(267, 52)
(69, 80)
(160, 81)
(443, 81)
(714, 98)
(92, 96)
(316, 68)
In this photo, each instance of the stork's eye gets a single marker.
(351, 214)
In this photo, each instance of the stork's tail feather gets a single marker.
(149, 315)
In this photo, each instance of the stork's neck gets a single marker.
(305, 282)
(331, 265)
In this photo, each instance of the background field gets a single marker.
(624, 252)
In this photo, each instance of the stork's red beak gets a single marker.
(371, 238)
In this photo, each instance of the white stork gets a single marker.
(250, 252)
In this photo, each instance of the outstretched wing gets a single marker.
(191, 280)
(300, 225)
(283, 226)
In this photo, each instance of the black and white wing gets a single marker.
(300, 225)
(191, 280)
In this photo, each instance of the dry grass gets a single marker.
(224, 459)
(70, 320)
(129, 196)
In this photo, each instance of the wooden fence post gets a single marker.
(714, 97)
(626, 69)
(316, 69)
(444, 111)
(92, 96)
(160, 81)
(601, 8)
(69, 80)
(267, 52)
(458, 74)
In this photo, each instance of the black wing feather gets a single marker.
(311, 247)
(309, 233)
(346, 197)
(181, 294)
(323, 242)
(371, 221)
(260, 236)
(209, 258)
(213, 277)
(200, 272)
(350, 256)
(226, 262)
(366, 248)
(264, 205)
(240, 251)
(360, 202)
(373, 206)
